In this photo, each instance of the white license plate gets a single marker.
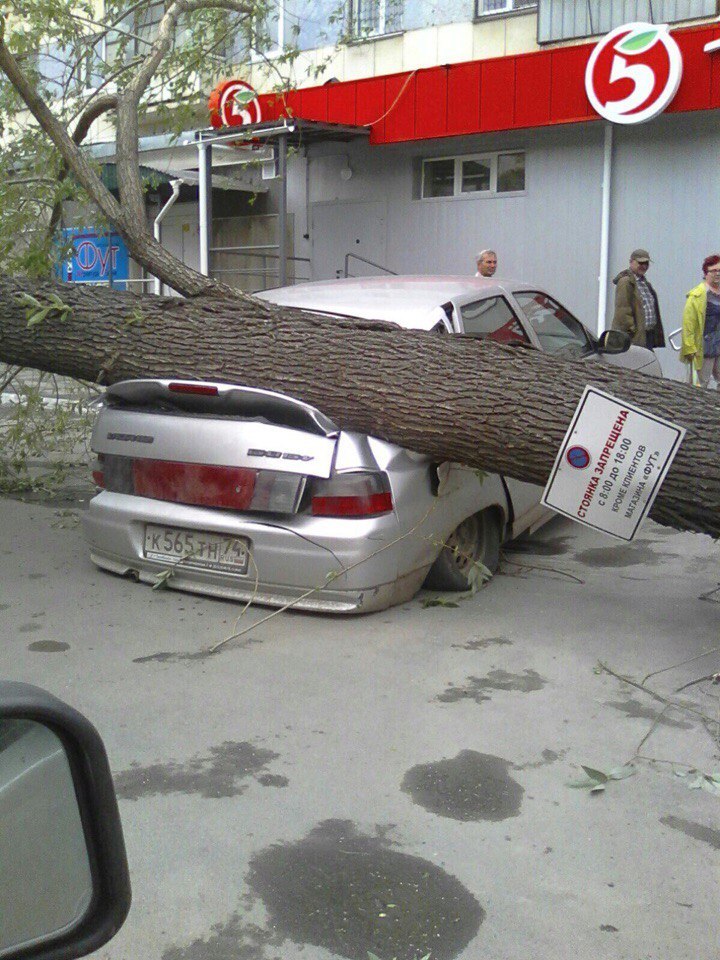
(208, 551)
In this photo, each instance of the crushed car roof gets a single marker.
(410, 301)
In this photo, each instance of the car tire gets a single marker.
(477, 538)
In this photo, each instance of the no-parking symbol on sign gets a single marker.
(611, 464)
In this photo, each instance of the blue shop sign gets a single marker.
(96, 258)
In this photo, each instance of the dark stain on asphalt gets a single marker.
(232, 940)
(471, 786)
(36, 576)
(695, 830)
(547, 757)
(639, 553)
(4, 606)
(476, 687)
(350, 894)
(219, 774)
(175, 657)
(608, 928)
(552, 547)
(48, 646)
(273, 780)
(29, 627)
(483, 642)
(635, 709)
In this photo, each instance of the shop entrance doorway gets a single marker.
(340, 228)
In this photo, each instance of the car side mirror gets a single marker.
(614, 341)
(65, 887)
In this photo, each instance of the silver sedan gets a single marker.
(246, 494)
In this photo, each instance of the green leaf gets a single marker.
(581, 784)
(637, 42)
(243, 97)
(162, 579)
(622, 773)
(598, 788)
(596, 775)
(438, 602)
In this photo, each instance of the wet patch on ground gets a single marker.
(4, 606)
(222, 773)
(476, 688)
(48, 646)
(695, 830)
(179, 657)
(635, 709)
(640, 553)
(29, 627)
(36, 576)
(350, 894)
(471, 786)
(232, 940)
(482, 643)
(552, 547)
(548, 757)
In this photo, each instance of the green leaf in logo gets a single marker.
(243, 97)
(637, 42)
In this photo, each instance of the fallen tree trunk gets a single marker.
(498, 408)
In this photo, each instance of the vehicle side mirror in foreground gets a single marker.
(614, 341)
(65, 887)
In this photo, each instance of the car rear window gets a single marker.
(492, 319)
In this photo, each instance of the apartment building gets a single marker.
(423, 132)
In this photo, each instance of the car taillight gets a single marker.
(202, 485)
(98, 474)
(360, 494)
(201, 389)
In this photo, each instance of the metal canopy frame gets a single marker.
(281, 134)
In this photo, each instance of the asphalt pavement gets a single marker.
(398, 783)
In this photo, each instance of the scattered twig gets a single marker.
(331, 576)
(530, 566)
(709, 595)
(708, 722)
(682, 663)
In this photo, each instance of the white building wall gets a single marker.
(662, 199)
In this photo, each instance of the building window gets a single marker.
(135, 33)
(375, 18)
(569, 19)
(70, 70)
(486, 175)
(484, 7)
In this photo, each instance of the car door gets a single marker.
(557, 330)
(494, 318)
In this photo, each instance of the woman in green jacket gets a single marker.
(701, 326)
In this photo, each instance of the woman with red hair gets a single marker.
(701, 326)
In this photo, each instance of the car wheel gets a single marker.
(476, 539)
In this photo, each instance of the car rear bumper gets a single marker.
(298, 561)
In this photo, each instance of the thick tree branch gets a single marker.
(92, 112)
(506, 410)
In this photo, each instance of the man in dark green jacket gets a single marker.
(637, 310)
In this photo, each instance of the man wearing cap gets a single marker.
(637, 310)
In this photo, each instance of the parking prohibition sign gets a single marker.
(611, 464)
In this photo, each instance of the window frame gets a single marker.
(590, 340)
(511, 7)
(515, 314)
(459, 159)
(357, 35)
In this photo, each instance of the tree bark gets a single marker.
(498, 408)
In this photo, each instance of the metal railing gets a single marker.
(265, 253)
(355, 256)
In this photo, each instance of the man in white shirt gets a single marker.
(486, 263)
